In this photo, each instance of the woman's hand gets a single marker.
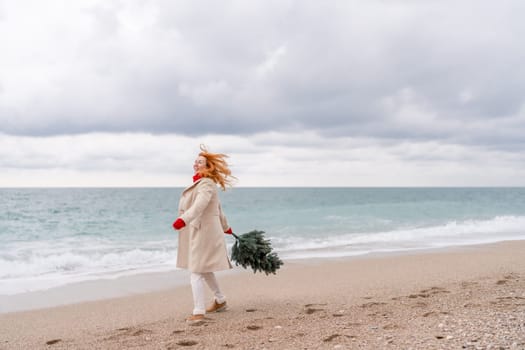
(178, 224)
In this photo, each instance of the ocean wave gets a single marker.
(451, 233)
(24, 271)
(37, 265)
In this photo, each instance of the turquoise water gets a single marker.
(52, 237)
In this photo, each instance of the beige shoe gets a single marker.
(216, 307)
(195, 318)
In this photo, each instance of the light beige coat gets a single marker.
(202, 247)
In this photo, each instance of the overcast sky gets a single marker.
(298, 93)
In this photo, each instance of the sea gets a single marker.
(51, 237)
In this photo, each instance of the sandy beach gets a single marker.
(459, 298)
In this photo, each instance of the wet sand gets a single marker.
(468, 297)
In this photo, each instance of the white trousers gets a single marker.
(199, 295)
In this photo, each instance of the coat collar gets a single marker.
(192, 185)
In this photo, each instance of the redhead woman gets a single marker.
(201, 225)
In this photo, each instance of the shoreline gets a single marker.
(146, 282)
(444, 298)
(162, 281)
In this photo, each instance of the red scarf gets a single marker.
(197, 177)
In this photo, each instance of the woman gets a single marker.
(202, 224)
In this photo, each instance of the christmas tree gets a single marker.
(253, 250)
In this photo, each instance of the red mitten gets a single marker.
(229, 231)
(178, 224)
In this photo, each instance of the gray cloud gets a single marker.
(394, 70)
(302, 158)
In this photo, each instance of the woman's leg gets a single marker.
(197, 288)
(212, 283)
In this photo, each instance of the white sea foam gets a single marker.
(25, 270)
(451, 234)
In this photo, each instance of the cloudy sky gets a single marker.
(298, 93)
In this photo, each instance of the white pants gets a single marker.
(197, 288)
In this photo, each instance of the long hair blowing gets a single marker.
(217, 168)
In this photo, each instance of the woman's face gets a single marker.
(200, 164)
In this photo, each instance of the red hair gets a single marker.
(217, 168)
